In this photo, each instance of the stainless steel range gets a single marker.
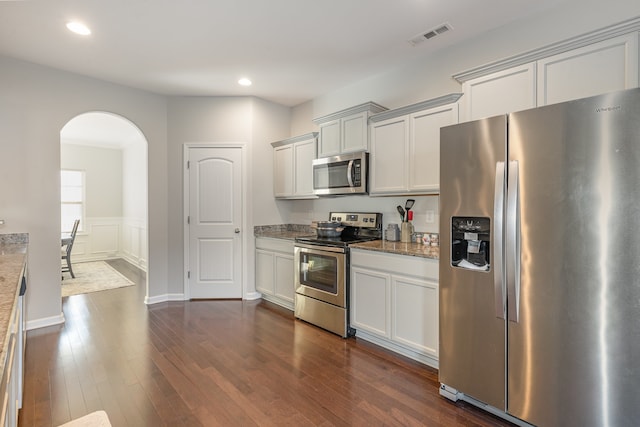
(322, 271)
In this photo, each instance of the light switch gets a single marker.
(430, 217)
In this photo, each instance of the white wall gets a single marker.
(103, 177)
(429, 77)
(219, 120)
(35, 103)
(134, 203)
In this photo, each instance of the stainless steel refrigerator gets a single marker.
(540, 262)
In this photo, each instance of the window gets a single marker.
(72, 199)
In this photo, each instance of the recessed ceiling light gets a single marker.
(78, 28)
(244, 82)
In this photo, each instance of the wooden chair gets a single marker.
(66, 250)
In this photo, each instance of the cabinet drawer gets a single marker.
(397, 264)
(277, 245)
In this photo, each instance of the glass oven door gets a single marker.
(320, 273)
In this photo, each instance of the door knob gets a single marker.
(237, 230)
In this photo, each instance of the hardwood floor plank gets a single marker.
(220, 363)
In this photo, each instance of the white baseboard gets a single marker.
(411, 354)
(44, 322)
(164, 298)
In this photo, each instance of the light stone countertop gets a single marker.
(283, 231)
(291, 231)
(13, 257)
(410, 249)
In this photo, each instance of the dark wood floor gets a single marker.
(220, 363)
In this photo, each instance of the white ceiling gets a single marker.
(293, 50)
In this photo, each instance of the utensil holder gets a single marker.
(405, 232)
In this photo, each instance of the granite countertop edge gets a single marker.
(399, 248)
(13, 257)
(292, 231)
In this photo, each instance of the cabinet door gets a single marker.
(370, 301)
(284, 286)
(499, 93)
(388, 160)
(424, 146)
(265, 272)
(602, 67)
(283, 171)
(354, 133)
(304, 153)
(415, 314)
(329, 141)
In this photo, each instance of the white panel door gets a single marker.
(602, 67)
(304, 154)
(415, 314)
(370, 301)
(215, 212)
(500, 93)
(329, 141)
(283, 171)
(388, 160)
(354, 133)
(424, 146)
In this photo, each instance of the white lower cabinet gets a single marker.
(12, 380)
(394, 303)
(274, 271)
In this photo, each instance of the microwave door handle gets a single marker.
(350, 173)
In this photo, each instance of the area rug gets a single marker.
(93, 277)
(94, 419)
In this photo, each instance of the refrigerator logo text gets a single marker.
(608, 109)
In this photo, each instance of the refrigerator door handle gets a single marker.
(513, 243)
(498, 254)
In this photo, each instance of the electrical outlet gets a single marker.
(431, 217)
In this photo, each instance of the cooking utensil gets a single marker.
(328, 228)
(401, 212)
(409, 204)
(329, 232)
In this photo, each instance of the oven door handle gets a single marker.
(319, 249)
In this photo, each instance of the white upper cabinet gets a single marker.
(606, 66)
(499, 93)
(329, 141)
(405, 147)
(345, 131)
(293, 167)
(584, 66)
(283, 171)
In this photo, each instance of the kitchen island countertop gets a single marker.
(13, 256)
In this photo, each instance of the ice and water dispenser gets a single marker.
(470, 242)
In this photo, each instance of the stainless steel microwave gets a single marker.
(344, 174)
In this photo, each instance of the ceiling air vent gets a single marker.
(429, 34)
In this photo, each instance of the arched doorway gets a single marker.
(103, 160)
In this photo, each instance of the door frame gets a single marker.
(185, 210)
